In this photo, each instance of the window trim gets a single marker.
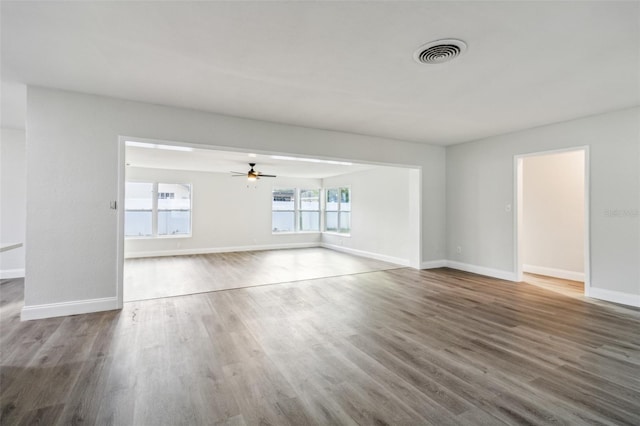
(294, 211)
(300, 210)
(339, 210)
(297, 210)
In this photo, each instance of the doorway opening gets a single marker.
(552, 219)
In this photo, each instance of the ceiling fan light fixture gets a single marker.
(251, 175)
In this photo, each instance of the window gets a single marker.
(310, 210)
(294, 210)
(174, 209)
(300, 210)
(138, 209)
(168, 213)
(338, 210)
(283, 210)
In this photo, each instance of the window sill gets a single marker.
(157, 237)
(337, 234)
(295, 232)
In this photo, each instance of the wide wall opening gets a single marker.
(196, 219)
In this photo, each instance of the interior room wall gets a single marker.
(480, 199)
(380, 214)
(13, 201)
(553, 215)
(228, 214)
(72, 154)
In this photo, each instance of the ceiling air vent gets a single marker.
(439, 51)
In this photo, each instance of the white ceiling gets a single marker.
(338, 65)
(206, 160)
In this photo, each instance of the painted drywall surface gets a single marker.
(226, 212)
(12, 201)
(480, 184)
(553, 214)
(380, 215)
(72, 156)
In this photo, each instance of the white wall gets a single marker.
(380, 214)
(13, 201)
(553, 215)
(227, 214)
(480, 184)
(72, 153)
(72, 157)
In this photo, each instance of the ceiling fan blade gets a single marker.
(251, 173)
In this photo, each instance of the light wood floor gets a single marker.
(150, 278)
(566, 287)
(398, 347)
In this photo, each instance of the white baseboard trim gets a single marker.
(432, 264)
(6, 274)
(183, 252)
(553, 272)
(614, 296)
(371, 255)
(481, 270)
(68, 308)
(628, 299)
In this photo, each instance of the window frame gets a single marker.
(294, 211)
(297, 228)
(338, 211)
(155, 210)
(301, 210)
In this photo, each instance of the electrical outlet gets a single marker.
(459, 250)
(507, 208)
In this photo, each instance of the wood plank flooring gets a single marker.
(153, 277)
(568, 288)
(397, 347)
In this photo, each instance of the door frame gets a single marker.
(518, 161)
